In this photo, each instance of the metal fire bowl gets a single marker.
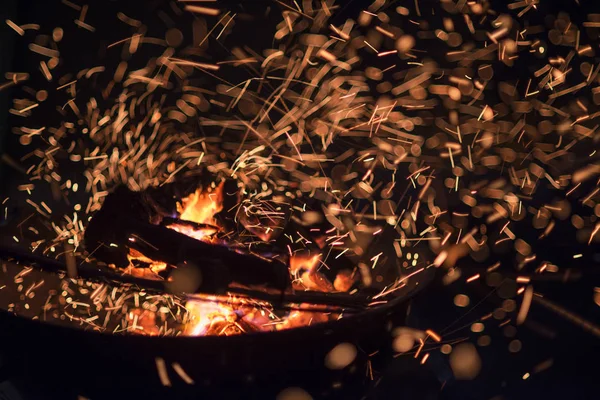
(67, 362)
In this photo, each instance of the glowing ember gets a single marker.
(305, 270)
(219, 315)
(344, 280)
(153, 266)
(303, 318)
(206, 318)
(303, 262)
(204, 233)
(142, 322)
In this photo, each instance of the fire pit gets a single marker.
(226, 218)
(156, 276)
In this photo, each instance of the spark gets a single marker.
(433, 335)
(386, 53)
(182, 374)
(525, 304)
(202, 10)
(594, 232)
(161, 368)
(421, 344)
(15, 27)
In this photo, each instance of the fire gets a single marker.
(305, 270)
(299, 318)
(154, 266)
(210, 317)
(219, 316)
(228, 315)
(142, 322)
(200, 207)
(222, 315)
(198, 234)
(303, 262)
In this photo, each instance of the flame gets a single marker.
(300, 261)
(305, 270)
(155, 266)
(229, 315)
(225, 316)
(205, 316)
(142, 322)
(198, 234)
(201, 207)
(300, 318)
(344, 280)
(232, 315)
(307, 277)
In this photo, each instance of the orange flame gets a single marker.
(298, 262)
(155, 266)
(142, 322)
(305, 270)
(199, 234)
(307, 276)
(204, 316)
(214, 315)
(201, 207)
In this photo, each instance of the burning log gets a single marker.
(313, 301)
(189, 228)
(140, 230)
(177, 232)
(122, 224)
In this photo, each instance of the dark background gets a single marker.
(575, 354)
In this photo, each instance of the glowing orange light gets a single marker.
(155, 266)
(205, 316)
(201, 207)
(199, 234)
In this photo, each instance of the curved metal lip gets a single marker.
(413, 287)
